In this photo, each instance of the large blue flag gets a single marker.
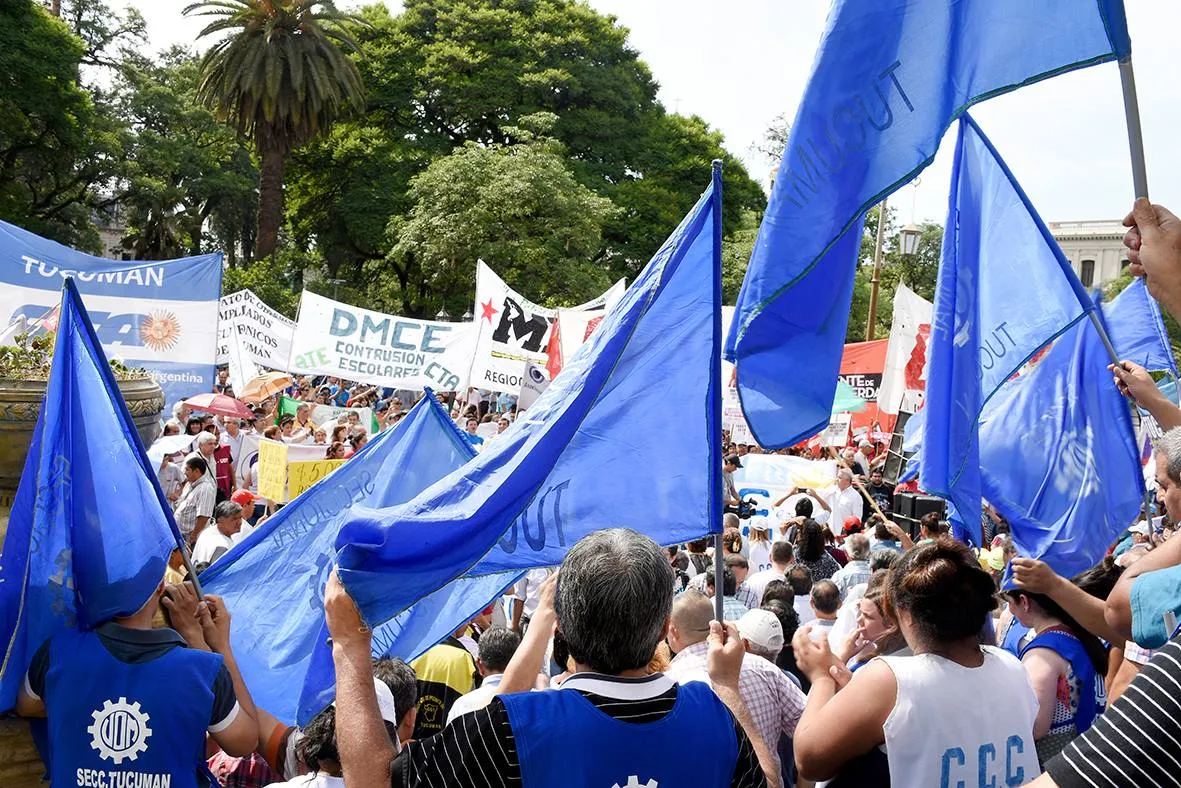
(273, 581)
(1004, 291)
(599, 448)
(1060, 459)
(90, 531)
(889, 78)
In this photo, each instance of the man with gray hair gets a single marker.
(213, 543)
(611, 603)
(840, 501)
(857, 570)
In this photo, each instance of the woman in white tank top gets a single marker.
(955, 713)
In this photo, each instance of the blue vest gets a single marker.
(562, 739)
(115, 723)
(1011, 642)
(1090, 703)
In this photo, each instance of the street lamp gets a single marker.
(443, 314)
(877, 269)
(468, 316)
(908, 240)
(336, 283)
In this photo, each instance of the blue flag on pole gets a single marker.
(1059, 458)
(598, 449)
(889, 78)
(90, 531)
(1004, 290)
(273, 581)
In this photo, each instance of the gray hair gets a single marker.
(883, 558)
(206, 437)
(1169, 445)
(846, 474)
(730, 520)
(226, 509)
(857, 546)
(768, 654)
(612, 600)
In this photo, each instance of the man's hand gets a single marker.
(341, 614)
(1133, 381)
(215, 623)
(182, 605)
(724, 660)
(1154, 250)
(544, 615)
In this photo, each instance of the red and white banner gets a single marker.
(904, 380)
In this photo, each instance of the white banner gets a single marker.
(766, 478)
(265, 335)
(345, 341)
(904, 381)
(513, 330)
(536, 381)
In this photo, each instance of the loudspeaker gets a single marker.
(895, 459)
(925, 504)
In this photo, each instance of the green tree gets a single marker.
(56, 145)
(183, 166)
(518, 207)
(442, 74)
(280, 78)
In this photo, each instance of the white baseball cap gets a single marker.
(1141, 528)
(762, 628)
(385, 702)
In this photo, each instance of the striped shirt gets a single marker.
(478, 749)
(1137, 741)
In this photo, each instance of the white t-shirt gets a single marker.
(757, 582)
(211, 544)
(929, 736)
(528, 590)
(803, 606)
(759, 558)
(843, 503)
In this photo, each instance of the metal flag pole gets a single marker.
(1135, 134)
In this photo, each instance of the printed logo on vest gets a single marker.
(120, 731)
(633, 781)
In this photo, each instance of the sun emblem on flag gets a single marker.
(160, 331)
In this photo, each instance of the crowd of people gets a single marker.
(852, 650)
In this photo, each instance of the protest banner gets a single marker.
(766, 478)
(302, 475)
(272, 470)
(836, 434)
(160, 315)
(332, 338)
(534, 382)
(263, 333)
(904, 381)
(512, 330)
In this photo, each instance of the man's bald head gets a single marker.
(692, 611)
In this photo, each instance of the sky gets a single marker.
(740, 63)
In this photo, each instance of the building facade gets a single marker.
(1095, 249)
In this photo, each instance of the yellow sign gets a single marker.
(272, 470)
(302, 475)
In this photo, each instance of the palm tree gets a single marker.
(280, 78)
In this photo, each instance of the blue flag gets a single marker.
(889, 78)
(90, 531)
(599, 448)
(1138, 331)
(1004, 290)
(273, 580)
(1060, 459)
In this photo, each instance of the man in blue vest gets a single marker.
(612, 723)
(130, 705)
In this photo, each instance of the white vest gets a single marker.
(956, 726)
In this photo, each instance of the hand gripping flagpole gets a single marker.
(716, 394)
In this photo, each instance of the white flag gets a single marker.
(904, 381)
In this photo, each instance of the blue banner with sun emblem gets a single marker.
(156, 314)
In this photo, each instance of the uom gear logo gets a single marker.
(120, 731)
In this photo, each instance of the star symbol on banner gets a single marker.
(488, 310)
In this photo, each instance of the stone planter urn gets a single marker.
(20, 404)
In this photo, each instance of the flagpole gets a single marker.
(1135, 134)
(715, 395)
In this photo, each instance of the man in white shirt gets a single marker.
(826, 601)
(526, 595)
(781, 560)
(232, 437)
(213, 543)
(195, 505)
(496, 649)
(841, 501)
